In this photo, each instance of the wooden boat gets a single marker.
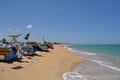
(41, 47)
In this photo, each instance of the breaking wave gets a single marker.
(103, 64)
(87, 53)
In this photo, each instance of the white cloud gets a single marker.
(1, 34)
(29, 26)
(16, 30)
(10, 30)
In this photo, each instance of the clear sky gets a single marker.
(74, 21)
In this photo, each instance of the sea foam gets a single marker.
(103, 64)
(73, 76)
(77, 51)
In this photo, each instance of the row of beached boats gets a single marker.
(15, 50)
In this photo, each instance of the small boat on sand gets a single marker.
(28, 49)
(7, 53)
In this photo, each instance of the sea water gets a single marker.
(102, 62)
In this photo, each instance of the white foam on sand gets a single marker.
(73, 76)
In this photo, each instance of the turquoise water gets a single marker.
(102, 62)
(112, 49)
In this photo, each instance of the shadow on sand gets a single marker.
(17, 67)
(32, 56)
(20, 59)
(35, 55)
(13, 60)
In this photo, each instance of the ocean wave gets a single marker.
(73, 76)
(66, 46)
(77, 51)
(88, 53)
(103, 64)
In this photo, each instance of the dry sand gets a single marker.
(44, 66)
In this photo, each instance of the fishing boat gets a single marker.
(28, 49)
(7, 53)
(42, 47)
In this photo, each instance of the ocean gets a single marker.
(102, 62)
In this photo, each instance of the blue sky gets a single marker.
(74, 21)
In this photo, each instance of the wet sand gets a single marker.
(43, 66)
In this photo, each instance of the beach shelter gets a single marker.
(14, 37)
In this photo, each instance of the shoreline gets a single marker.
(44, 66)
(95, 67)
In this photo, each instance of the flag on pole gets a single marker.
(27, 36)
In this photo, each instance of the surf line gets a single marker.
(101, 63)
